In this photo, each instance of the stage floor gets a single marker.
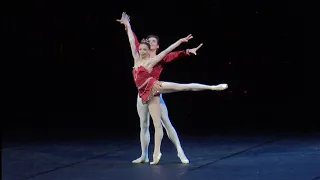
(286, 157)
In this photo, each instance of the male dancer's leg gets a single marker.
(171, 132)
(144, 116)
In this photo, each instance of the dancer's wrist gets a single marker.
(188, 51)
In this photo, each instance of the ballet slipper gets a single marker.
(219, 87)
(156, 159)
(142, 159)
(183, 158)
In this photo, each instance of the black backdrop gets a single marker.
(69, 66)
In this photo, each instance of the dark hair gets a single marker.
(146, 43)
(154, 36)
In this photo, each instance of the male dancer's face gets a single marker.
(153, 43)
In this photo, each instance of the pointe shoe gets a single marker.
(156, 159)
(219, 87)
(141, 160)
(183, 158)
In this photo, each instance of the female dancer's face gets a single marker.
(153, 43)
(143, 50)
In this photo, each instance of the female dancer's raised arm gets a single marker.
(125, 20)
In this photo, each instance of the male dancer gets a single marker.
(143, 108)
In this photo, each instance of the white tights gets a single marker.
(144, 116)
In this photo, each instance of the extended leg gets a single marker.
(154, 109)
(143, 113)
(172, 134)
(170, 87)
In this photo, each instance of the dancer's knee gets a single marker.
(166, 121)
(157, 123)
(189, 87)
(182, 87)
(144, 123)
(186, 87)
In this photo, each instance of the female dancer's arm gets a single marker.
(161, 55)
(134, 49)
(125, 21)
(135, 39)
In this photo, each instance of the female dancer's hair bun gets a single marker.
(146, 42)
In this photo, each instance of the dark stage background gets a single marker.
(69, 67)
